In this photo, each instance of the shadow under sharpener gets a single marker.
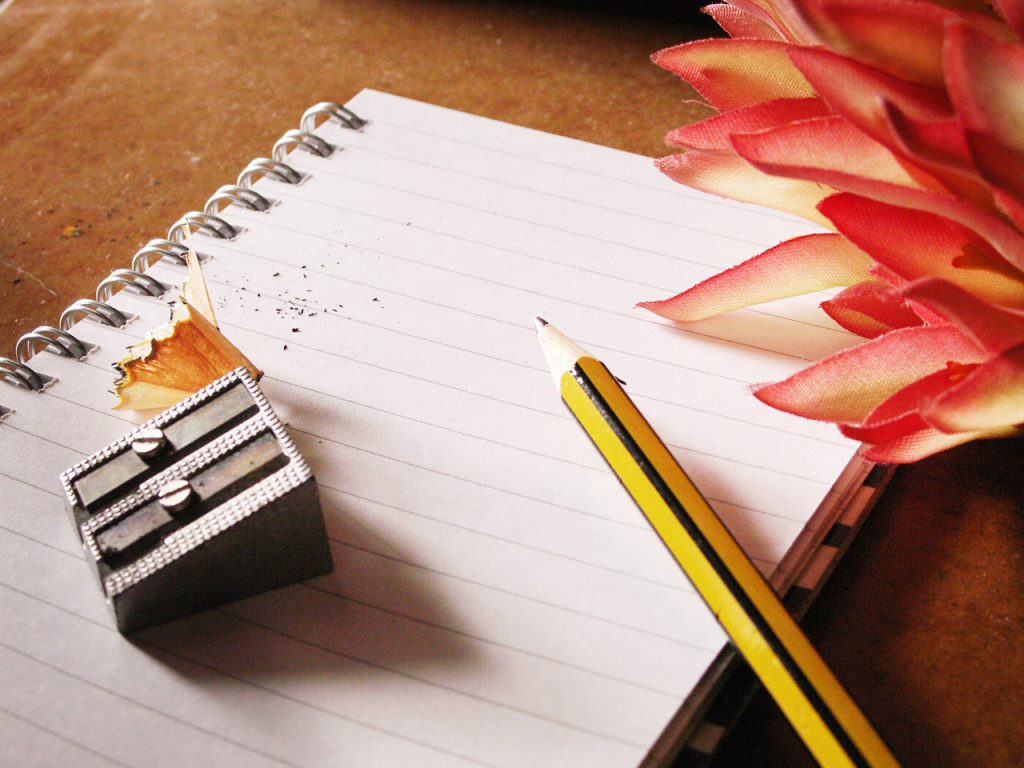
(206, 503)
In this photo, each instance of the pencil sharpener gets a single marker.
(206, 503)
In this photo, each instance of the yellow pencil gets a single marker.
(821, 711)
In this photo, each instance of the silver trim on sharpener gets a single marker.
(206, 503)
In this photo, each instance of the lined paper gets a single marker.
(497, 600)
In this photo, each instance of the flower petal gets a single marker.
(856, 90)
(915, 244)
(714, 132)
(1012, 12)
(990, 397)
(789, 151)
(735, 73)
(1012, 208)
(823, 148)
(919, 445)
(985, 78)
(884, 431)
(739, 23)
(870, 309)
(915, 121)
(848, 385)
(988, 326)
(792, 20)
(939, 140)
(794, 267)
(904, 38)
(900, 414)
(730, 176)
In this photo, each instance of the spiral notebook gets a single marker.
(497, 599)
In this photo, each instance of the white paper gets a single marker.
(497, 599)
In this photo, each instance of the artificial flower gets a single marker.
(898, 125)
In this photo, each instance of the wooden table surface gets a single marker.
(117, 117)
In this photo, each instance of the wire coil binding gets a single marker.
(329, 109)
(233, 194)
(272, 169)
(139, 282)
(61, 341)
(54, 339)
(302, 139)
(162, 249)
(98, 310)
(21, 375)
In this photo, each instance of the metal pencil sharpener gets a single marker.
(206, 503)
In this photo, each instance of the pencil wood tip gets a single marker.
(539, 322)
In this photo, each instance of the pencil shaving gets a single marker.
(181, 356)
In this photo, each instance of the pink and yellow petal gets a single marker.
(897, 36)
(827, 148)
(1010, 207)
(848, 385)
(732, 177)
(988, 326)
(738, 23)
(794, 21)
(1012, 12)
(715, 132)
(730, 74)
(788, 151)
(990, 397)
(858, 91)
(936, 141)
(870, 308)
(985, 77)
(915, 244)
(795, 267)
(920, 445)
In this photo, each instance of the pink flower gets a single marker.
(898, 125)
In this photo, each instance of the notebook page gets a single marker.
(497, 599)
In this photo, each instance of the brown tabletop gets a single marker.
(116, 117)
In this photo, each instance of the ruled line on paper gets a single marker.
(822, 325)
(554, 196)
(418, 620)
(54, 734)
(535, 296)
(477, 209)
(228, 612)
(447, 628)
(162, 713)
(677, 192)
(637, 395)
(114, 693)
(636, 525)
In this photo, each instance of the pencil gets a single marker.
(835, 731)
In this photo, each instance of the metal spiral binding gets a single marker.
(62, 342)
(232, 193)
(54, 339)
(304, 139)
(139, 282)
(343, 115)
(21, 375)
(211, 225)
(162, 249)
(98, 310)
(272, 169)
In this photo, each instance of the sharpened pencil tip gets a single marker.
(540, 322)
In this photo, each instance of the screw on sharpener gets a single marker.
(149, 443)
(176, 495)
(206, 503)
